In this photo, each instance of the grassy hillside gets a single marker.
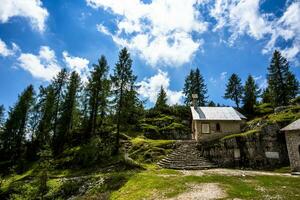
(138, 177)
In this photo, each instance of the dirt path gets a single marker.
(231, 172)
(208, 191)
(205, 191)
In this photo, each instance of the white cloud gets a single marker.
(103, 29)
(150, 87)
(80, 65)
(219, 79)
(288, 27)
(159, 31)
(31, 9)
(223, 76)
(43, 66)
(243, 17)
(256, 78)
(213, 80)
(6, 51)
(263, 84)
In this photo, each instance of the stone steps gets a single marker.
(187, 157)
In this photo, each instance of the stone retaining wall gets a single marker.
(264, 149)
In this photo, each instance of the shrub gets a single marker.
(95, 150)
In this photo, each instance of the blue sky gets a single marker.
(166, 38)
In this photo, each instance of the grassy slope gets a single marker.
(282, 118)
(151, 183)
(155, 184)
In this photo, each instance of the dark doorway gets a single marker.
(299, 150)
(218, 127)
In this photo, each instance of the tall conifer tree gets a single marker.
(282, 84)
(58, 84)
(122, 82)
(45, 126)
(195, 84)
(234, 89)
(98, 91)
(292, 85)
(266, 96)
(188, 89)
(2, 110)
(13, 136)
(161, 102)
(251, 93)
(68, 114)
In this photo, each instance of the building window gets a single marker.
(218, 127)
(205, 128)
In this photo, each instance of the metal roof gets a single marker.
(216, 113)
(293, 126)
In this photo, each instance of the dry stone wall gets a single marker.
(263, 149)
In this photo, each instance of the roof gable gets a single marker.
(293, 126)
(216, 113)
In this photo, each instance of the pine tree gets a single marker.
(251, 93)
(266, 96)
(187, 89)
(234, 89)
(134, 108)
(161, 102)
(13, 136)
(195, 84)
(2, 110)
(211, 104)
(68, 114)
(98, 92)
(200, 88)
(281, 82)
(47, 116)
(122, 82)
(292, 85)
(58, 84)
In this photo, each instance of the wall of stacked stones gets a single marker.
(293, 146)
(264, 149)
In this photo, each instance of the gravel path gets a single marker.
(231, 172)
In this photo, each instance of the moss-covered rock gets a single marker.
(148, 151)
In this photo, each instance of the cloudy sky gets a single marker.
(166, 38)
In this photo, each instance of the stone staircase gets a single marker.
(186, 156)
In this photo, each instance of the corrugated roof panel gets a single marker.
(216, 113)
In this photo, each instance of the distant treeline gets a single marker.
(282, 87)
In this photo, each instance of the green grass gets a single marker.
(286, 116)
(244, 134)
(154, 143)
(149, 151)
(8, 180)
(264, 108)
(283, 170)
(157, 184)
(173, 126)
(154, 183)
